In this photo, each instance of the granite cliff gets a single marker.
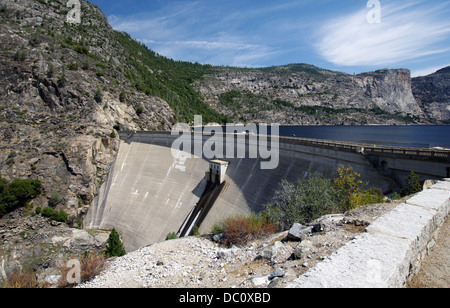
(306, 95)
(433, 94)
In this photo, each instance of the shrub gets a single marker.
(24, 279)
(240, 230)
(365, 197)
(303, 201)
(139, 110)
(311, 198)
(115, 247)
(55, 199)
(196, 231)
(20, 56)
(51, 71)
(51, 213)
(351, 190)
(82, 50)
(122, 96)
(171, 236)
(17, 194)
(218, 227)
(412, 185)
(98, 97)
(72, 66)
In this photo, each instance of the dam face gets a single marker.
(149, 193)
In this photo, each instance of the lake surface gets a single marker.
(404, 136)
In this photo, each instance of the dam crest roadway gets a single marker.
(149, 193)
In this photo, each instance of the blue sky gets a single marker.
(330, 34)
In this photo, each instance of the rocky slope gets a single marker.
(306, 95)
(432, 93)
(62, 96)
(198, 262)
(34, 242)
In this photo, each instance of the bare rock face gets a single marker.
(34, 242)
(433, 94)
(304, 94)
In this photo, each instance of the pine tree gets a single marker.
(115, 248)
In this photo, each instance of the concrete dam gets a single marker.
(150, 192)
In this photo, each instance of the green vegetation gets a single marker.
(115, 247)
(139, 110)
(51, 213)
(20, 55)
(17, 194)
(98, 97)
(303, 201)
(412, 186)
(315, 196)
(170, 80)
(55, 199)
(171, 236)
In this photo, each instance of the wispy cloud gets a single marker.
(427, 71)
(406, 32)
(216, 32)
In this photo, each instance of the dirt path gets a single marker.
(435, 270)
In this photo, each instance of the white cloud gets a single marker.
(193, 32)
(427, 71)
(406, 32)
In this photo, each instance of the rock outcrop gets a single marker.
(306, 95)
(63, 98)
(433, 94)
(34, 242)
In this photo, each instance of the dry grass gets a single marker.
(25, 279)
(240, 230)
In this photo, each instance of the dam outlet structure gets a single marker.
(150, 193)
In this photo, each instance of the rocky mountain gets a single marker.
(64, 91)
(306, 95)
(432, 93)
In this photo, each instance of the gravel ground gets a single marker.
(435, 269)
(198, 262)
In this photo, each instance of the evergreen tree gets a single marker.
(115, 248)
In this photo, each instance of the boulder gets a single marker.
(298, 232)
(277, 273)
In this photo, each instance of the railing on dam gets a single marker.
(435, 154)
(442, 155)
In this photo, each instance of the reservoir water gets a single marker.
(417, 136)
